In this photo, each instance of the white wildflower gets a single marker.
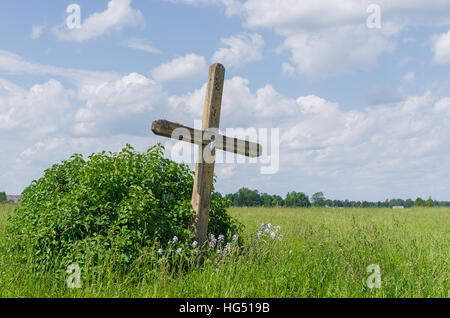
(212, 241)
(267, 230)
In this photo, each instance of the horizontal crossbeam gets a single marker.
(177, 131)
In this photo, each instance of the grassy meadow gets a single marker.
(322, 253)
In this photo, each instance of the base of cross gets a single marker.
(209, 140)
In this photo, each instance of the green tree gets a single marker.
(429, 203)
(297, 199)
(2, 196)
(318, 199)
(266, 199)
(247, 197)
(419, 202)
(277, 201)
(409, 203)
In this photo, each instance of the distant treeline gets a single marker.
(252, 198)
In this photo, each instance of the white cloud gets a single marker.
(330, 37)
(265, 103)
(122, 106)
(386, 148)
(92, 108)
(192, 102)
(441, 48)
(324, 39)
(241, 49)
(37, 31)
(15, 64)
(336, 51)
(291, 14)
(118, 15)
(48, 122)
(142, 45)
(38, 111)
(187, 66)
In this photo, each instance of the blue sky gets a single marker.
(363, 112)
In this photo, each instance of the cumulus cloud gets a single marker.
(121, 106)
(309, 14)
(330, 37)
(118, 15)
(324, 39)
(265, 103)
(389, 146)
(441, 48)
(182, 67)
(49, 122)
(397, 145)
(240, 49)
(377, 147)
(38, 111)
(335, 52)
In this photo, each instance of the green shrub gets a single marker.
(2, 197)
(114, 205)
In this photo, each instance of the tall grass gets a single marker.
(323, 253)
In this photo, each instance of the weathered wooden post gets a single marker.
(204, 172)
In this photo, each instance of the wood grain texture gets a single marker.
(177, 131)
(204, 172)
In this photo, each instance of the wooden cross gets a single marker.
(208, 140)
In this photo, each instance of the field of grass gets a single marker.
(323, 253)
